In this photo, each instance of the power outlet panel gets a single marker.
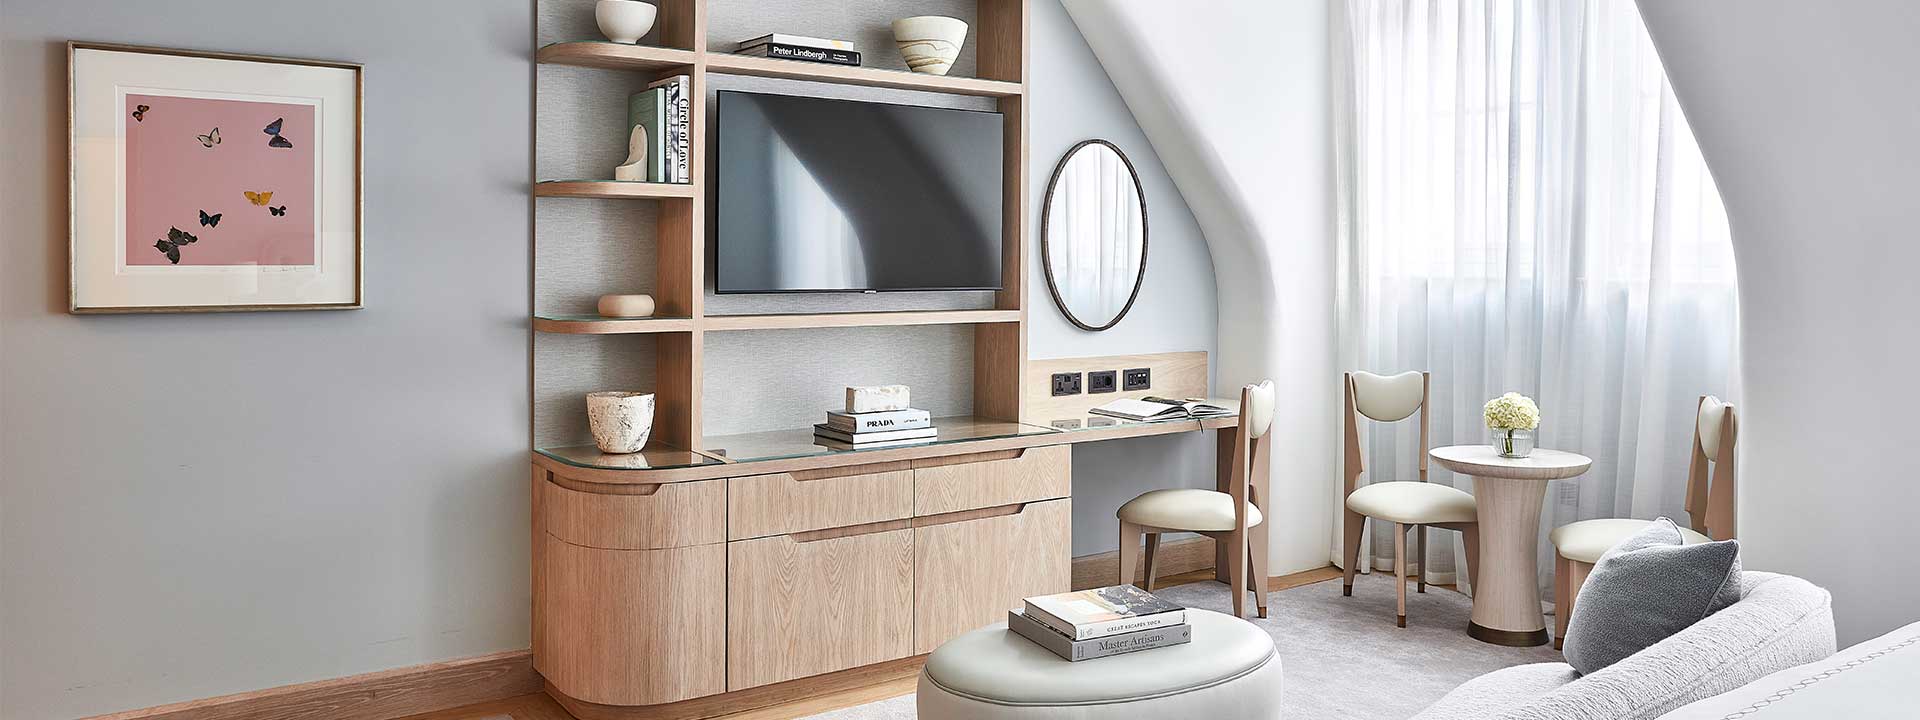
(1136, 379)
(1103, 381)
(1066, 384)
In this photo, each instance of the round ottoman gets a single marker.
(1229, 672)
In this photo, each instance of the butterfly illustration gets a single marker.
(210, 139)
(209, 220)
(274, 130)
(140, 113)
(171, 245)
(258, 198)
(277, 211)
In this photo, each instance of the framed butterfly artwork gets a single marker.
(213, 182)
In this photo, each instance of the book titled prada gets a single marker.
(878, 421)
(1090, 614)
(1077, 650)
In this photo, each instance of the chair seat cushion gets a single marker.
(1413, 503)
(995, 665)
(1185, 509)
(1587, 540)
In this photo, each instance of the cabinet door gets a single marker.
(633, 627)
(800, 606)
(968, 572)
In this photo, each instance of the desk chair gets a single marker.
(1406, 504)
(1236, 518)
(1577, 546)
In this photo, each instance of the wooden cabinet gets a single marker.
(781, 503)
(798, 606)
(633, 627)
(969, 571)
(984, 480)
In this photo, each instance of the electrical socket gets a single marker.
(1103, 381)
(1137, 379)
(1066, 384)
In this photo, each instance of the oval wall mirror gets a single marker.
(1093, 235)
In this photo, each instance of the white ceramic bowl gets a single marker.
(620, 421)
(624, 21)
(929, 43)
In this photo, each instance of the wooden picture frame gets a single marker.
(280, 214)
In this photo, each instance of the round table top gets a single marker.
(1483, 461)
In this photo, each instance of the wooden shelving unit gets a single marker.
(1000, 39)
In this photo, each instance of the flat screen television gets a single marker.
(819, 195)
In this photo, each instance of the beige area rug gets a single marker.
(1342, 656)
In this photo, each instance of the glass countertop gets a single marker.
(787, 444)
(654, 457)
(1089, 421)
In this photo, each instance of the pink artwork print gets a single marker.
(191, 164)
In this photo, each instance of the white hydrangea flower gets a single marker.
(1512, 411)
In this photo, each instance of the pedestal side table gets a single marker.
(1509, 493)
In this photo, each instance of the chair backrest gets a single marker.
(1249, 454)
(1710, 475)
(1383, 398)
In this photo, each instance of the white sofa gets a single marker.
(1780, 622)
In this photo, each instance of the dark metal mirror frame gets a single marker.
(1046, 247)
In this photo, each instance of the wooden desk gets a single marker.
(683, 584)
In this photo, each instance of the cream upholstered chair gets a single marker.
(1406, 504)
(1577, 546)
(1236, 518)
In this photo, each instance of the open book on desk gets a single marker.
(1156, 408)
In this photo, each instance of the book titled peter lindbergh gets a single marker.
(1077, 650)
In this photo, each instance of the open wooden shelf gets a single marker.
(611, 189)
(616, 56)
(784, 321)
(596, 325)
(730, 64)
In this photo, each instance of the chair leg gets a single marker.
(1257, 537)
(1400, 569)
(1470, 536)
(1420, 552)
(1355, 525)
(1237, 560)
(1129, 551)
(1153, 553)
(1562, 599)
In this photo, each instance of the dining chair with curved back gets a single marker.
(1578, 546)
(1236, 518)
(1415, 505)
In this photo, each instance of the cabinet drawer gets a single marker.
(633, 627)
(782, 503)
(969, 569)
(659, 516)
(966, 482)
(797, 607)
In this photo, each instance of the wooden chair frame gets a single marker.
(1709, 512)
(1355, 524)
(1246, 546)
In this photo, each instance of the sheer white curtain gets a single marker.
(1522, 207)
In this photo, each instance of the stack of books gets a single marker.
(801, 47)
(1090, 624)
(849, 430)
(665, 109)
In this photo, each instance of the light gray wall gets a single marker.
(203, 504)
(1806, 115)
(198, 505)
(1073, 100)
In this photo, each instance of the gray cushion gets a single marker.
(1647, 588)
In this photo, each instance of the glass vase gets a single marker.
(1514, 443)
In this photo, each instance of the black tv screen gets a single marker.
(819, 195)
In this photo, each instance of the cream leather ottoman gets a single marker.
(1229, 672)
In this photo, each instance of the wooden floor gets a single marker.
(540, 707)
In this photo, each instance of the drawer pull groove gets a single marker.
(970, 458)
(975, 514)
(850, 531)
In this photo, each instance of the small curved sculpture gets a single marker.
(635, 169)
